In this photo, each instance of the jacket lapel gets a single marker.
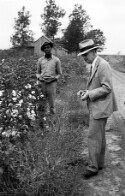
(94, 70)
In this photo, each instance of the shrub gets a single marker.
(72, 66)
(21, 104)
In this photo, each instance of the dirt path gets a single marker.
(119, 87)
(111, 181)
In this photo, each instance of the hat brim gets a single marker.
(49, 43)
(86, 51)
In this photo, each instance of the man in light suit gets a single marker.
(101, 104)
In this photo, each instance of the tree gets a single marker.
(79, 28)
(22, 34)
(97, 36)
(75, 32)
(52, 14)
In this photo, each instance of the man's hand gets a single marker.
(85, 96)
(81, 93)
(37, 75)
(57, 77)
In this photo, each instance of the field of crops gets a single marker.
(36, 149)
(41, 154)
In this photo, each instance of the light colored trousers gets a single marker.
(96, 143)
(49, 91)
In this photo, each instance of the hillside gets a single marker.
(116, 61)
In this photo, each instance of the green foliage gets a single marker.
(16, 52)
(117, 62)
(79, 28)
(72, 66)
(36, 153)
(52, 14)
(75, 111)
(22, 33)
(20, 99)
(97, 36)
(75, 32)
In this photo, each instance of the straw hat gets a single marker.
(45, 44)
(87, 45)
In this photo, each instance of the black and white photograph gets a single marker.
(62, 98)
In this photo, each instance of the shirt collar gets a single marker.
(49, 58)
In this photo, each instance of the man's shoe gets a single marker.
(87, 164)
(88, 174)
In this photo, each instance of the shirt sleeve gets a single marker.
(38, 67)
(58, 67)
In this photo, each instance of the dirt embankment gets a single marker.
(119, 87)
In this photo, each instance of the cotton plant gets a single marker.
(19, 109)
(20, 114)
(18, 117)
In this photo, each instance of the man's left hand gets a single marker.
(57, 77)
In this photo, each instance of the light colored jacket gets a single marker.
(101, 101)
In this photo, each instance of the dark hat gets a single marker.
(45, 44)
(87, 45)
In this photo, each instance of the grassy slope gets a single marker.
(116, 61)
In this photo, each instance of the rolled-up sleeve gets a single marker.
(38, 67)
(58, 67)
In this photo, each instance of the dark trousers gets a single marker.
(49, 91)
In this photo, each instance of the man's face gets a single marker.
(88, 57)
(47, 49)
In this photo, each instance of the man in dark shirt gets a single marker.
(48, 72)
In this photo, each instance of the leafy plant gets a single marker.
(36, 152)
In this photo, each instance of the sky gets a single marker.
(106, 15)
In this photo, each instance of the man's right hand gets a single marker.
(81, 93)
(49, 79)
(37, 75)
